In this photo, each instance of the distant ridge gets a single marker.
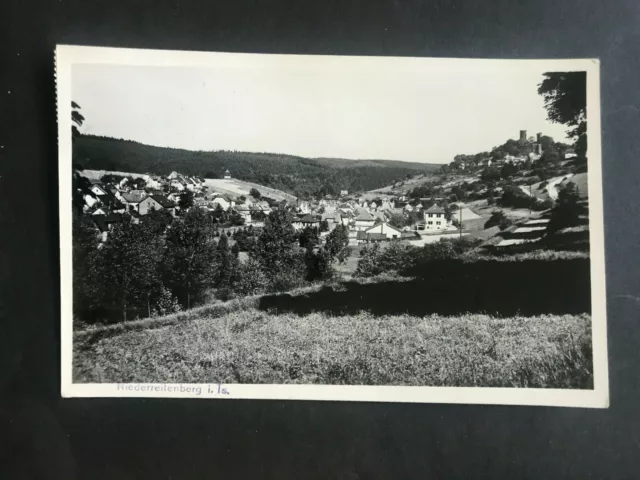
(289, 173)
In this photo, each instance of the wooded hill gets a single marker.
(306, 176)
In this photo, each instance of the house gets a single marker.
(227, 175)
(304, 207)
(89, 200)
(263, 206)
(388, 204)
(344, 193)
(346, 217)
(363, 220)
(177, 184)
(105, 223)
(384, 229)
(305, 221)
(434, 218)
(333, 218)
(98, 190)
(111, 203)
(152, 181)
(223, 202)
(245, 212)
(156, 202)
(132, 200)
(570, 153)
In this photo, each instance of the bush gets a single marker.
(499, 219)
(249, 279)
(165, 304)
(368, 264)
(396, 257)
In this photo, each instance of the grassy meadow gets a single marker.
(236, 342)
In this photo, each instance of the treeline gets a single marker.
(305, 176)
(163, 264)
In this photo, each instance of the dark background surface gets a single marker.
(43, 436)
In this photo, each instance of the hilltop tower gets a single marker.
(227, 174)
(523, 135)
(538, 137)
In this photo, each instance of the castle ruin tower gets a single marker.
(538, 137)
(523, 135)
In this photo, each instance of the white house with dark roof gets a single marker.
(386, 230)
(363, 220)
(131, 200)
(156, 202)
(223, 202)
(434, 219)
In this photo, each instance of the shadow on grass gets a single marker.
(452, 287)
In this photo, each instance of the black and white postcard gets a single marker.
(331, 228)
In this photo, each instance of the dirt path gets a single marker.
(551, 186)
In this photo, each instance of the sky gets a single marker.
(314, 110)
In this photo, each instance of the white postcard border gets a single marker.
(67, 55)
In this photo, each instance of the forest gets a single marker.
(304, 176)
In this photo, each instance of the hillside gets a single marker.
(235, 188)
(347, 163)
(284, 172)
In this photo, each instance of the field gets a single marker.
(98, 174)
(235, 188)
(256, 347)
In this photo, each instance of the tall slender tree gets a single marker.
(565, 99)
(190, 257)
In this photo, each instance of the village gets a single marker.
(107, 200)
(460, 202)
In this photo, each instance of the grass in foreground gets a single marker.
(251, 346)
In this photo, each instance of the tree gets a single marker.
(565, 99)
(84, 253)
(158, 221)
(369, 262)
(128, 267)
(490, 174)
(77, 119)
(226, 265)
(281, 259)
(250, 279)
(190, 258)
(397, 220)
(508, 170)
(550, 156)
(185, 201)
(396, 257)
(308, 237)
(80, 184)
(258, 215)
(319, 264)
(567, 211)
(235, 250)
(324, 226)
(255, 193)
(138, 183)
(337, 244)
(499, 219)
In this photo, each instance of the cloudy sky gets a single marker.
(313, 109)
